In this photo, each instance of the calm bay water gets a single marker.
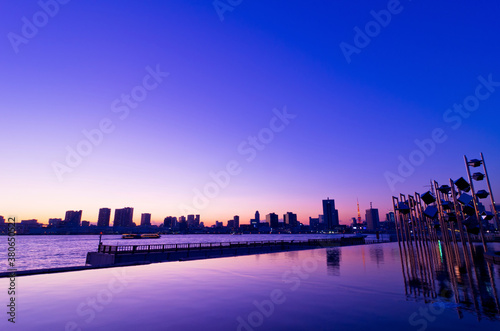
(348, 288)
(38, 252)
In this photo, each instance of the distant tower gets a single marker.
(359, 213)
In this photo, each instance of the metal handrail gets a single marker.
(118, 249)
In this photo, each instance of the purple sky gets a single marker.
(356, 104)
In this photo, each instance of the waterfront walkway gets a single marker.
(112, 255)
(127, 255)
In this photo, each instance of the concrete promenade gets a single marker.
(110, 255)
(129, 255)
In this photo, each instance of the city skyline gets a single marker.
(105, 215)
(261, 110)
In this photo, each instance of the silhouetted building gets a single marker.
(255, 222)
(73, 218)
(389, 217)
(330, 214)
(169, 222)
(124, 217)
(234, 223)
(182, 224)
(145, 219)
(25, 226)
(372, 219)
(2, 220)
(273, 220)
(104, 217)
(314, 223)
(31, 223)
(193, 221)
(190, 221)
(55, 222)
(290, 220)
(85, 223)
(264, 226)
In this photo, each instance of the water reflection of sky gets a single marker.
(349, 288)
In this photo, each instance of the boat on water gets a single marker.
(141, 236)
(150, 236)
(130, 236)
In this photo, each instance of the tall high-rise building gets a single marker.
(193, 221)
(256, 221)
(372, 219)
(169, 222)
(290, 220)
(330, 214)
(389, 217)
(190, 221)
(182, 223)
(236, 219)
(73, 218)
(123, 217)
(145, 219)
(104, 217)
(273, 221)
(2, 220)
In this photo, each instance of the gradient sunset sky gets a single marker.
(354, 116)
